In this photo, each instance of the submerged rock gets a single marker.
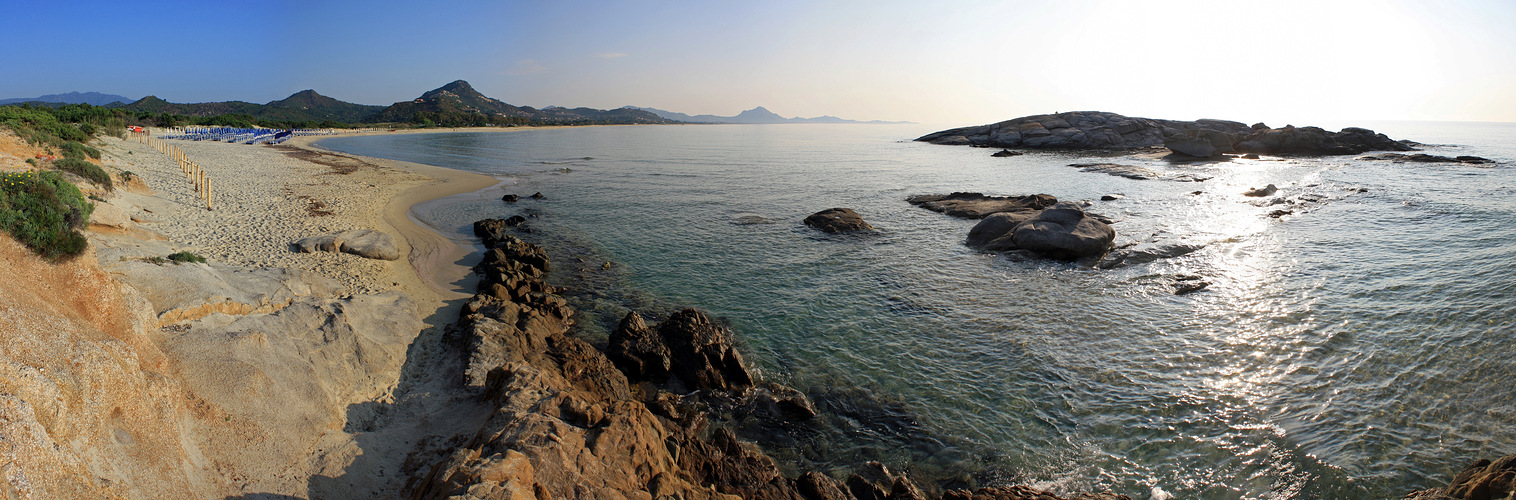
(978, 206)
(1006, 153)
(838, 220)
(510, 198)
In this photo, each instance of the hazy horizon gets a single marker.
(980, 62)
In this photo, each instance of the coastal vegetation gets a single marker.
(45, 212)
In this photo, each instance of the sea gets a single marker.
(1360, 346)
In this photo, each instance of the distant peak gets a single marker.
(457, 86)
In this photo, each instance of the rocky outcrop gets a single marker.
(1199, 138)
(978, 206)
(571, 422)
(365, 243)
(1315, 141)
(1424, 158)
(1077, 130)
(838, 220)
(1482, 480)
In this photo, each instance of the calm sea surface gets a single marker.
(1359, 349)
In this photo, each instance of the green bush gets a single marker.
(44, 212)
(185, 257)
(77, 150)
(86, 170)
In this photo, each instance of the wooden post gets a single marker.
(208, 205)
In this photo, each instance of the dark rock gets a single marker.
(1022, 492)
(1261, 192)
(1064, 232)
(537, 195)
(510, 198)
(1076, 130)
(977, 206)
(1006, 152)
(817, 486)
(904, 489)
(1185, 284)
(838, 220)
(1314, 141)
(863, 489)
(1201, 143)
(1482, 480)
(1111, 197)
(1280, 213)
(1426, 158)
(1100, 130)
(514, 220)
(638, 351)
(701, 352)
(993, 234)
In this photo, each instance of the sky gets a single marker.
(960, 63)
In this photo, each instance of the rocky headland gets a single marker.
(633, 421)
(1086, 130)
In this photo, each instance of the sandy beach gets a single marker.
(267, 197)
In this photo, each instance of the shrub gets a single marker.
(181, 257)
(44, 212)
(86, 170)
(77, 150)
(88, 129)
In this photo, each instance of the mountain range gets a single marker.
(754, 116)
(91, 98)
(454, 104)
(460, 98)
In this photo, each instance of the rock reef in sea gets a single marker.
(1084, 130)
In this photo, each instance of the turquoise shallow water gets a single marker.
(1359, 349)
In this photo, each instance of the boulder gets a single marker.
(1006, 152)
(838, 220)
(510, 198)
(537, 195)
(978, 206)
(1192, 146)
(1261, 192)
(370, 244)
(993, 234)
(365, 243)
(1064, 232)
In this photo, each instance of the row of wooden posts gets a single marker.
(192, 170)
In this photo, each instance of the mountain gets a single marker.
(756, 115)
(305, 105)
(91, 98)
(458, 103)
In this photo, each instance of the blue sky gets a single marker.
(967, 62)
